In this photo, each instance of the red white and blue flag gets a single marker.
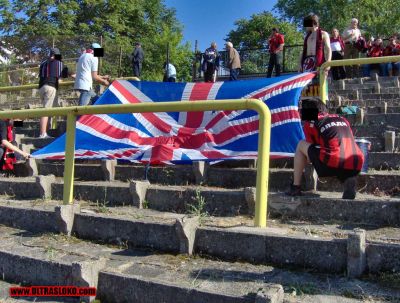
(184, 137)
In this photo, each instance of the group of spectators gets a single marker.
(348, 45)
(211, 62)
(352, 45)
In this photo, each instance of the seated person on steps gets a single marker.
(329, 146)
(7, 150)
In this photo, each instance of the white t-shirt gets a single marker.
(348, 32)
(87, 64)
(171, 70)
(335, 46)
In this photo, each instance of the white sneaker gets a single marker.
(44, 136)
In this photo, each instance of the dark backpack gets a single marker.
(361, 45)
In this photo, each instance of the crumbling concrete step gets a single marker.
(384, 160)
(326, 206)
(102, 192)
(230, 243)
(86, 172)
(378, 182)
(233, 202)
(364, 130)
(140, 277)
(37, 142)
(383, 119)
(26, 188)
(382, 109)
(38, 260)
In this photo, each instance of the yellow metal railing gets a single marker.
(323, 85)
(61, 84)
(242, 104)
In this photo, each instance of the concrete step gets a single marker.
(232, 177)
(221, 202)
(383, 119)
(37, 142)
(126, 275)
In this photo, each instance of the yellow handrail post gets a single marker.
(225, 105)
(69, 159)
(264, 139)
(323, 88)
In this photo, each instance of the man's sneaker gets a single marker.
(45, 136)
(349, 188)
(294, 191)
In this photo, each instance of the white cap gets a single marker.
(229, 44)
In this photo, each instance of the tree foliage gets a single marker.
(34, 25)
(253, 32)
(378, 18)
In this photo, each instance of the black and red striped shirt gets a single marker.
(49, 72)
(335, 138)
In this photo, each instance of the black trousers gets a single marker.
(338, 72)
(137, 69)
(209, 73)
(275, 61)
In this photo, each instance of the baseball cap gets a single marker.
(54, 51)
(95, 45)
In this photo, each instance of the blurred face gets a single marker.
(378, 42)
(335, 33)
(354, 24)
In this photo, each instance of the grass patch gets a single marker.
(302, 289)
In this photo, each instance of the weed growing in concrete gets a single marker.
(145, 204)
(102, 207)
(303, 289)
(50, 252)
(198, 207)
(388, 279)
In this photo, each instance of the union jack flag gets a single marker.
(184, 137)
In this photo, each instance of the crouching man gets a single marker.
(329, 146)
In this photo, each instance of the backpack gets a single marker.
(361, 45)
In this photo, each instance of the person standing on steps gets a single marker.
(233, 62)
(210, 63)
(350, 37)
(50, 71)
(87, 71)
(317, 48)
(137, 60)
(276, 42)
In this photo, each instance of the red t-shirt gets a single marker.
(392, 50)
(335, 138)
(275, 41)
(375, 51)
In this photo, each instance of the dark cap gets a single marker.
(54, 51)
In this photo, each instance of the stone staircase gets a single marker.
(185, 234)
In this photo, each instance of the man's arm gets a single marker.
(14, 148)
(327, 49)
(101, 79)
(281, 45)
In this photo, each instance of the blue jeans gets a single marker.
(367, 69)
(234, 73)
(392, 67)
(86, 96)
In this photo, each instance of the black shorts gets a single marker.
(324, 170)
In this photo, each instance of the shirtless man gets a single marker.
(317, 46)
